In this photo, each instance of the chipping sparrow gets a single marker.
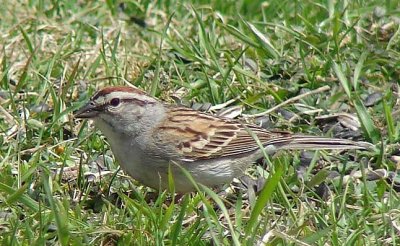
(146, 136)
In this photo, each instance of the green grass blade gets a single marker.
(264, 197)
(240, 35)
(216, 199)
(342, 79)
(17, 195)
(367, 124)
(27, 40)
(357, 70)
(177, 227)
(264, 40)
(60, 216)
(224, 210)
(391, 128)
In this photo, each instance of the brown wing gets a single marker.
(197, 136)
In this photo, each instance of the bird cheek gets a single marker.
(136, 114)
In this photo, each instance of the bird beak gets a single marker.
(88, 111)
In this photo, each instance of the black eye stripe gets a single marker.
(137, 101)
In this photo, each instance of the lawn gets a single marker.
(328, 68)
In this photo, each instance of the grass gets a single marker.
(59, 183)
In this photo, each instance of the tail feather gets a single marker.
(311, 142)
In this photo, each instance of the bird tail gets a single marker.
(314, 142)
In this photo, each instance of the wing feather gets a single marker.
(193, 136)
(197, 136)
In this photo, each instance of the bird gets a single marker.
(149, 138)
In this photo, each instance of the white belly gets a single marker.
(153, 172)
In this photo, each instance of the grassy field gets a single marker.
(317, 67)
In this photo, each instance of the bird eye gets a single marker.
(114, 102)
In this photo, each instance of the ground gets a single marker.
(328, 68)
